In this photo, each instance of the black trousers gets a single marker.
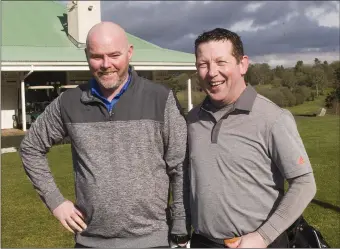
(199, 241)
(81, 246)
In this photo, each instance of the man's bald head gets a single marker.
(108, 53)
(106, 30)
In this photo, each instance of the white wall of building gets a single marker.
(9, 98)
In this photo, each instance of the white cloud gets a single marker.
(324, 18)
(290, 59)
(247, 25)
(185, 38)
(310, 50)
(330, 20)
(266, 28)
(291, 15)
(252, 7)
(142, 4)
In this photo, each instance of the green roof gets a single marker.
(33, 31)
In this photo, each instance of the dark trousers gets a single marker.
(199, 241)
(81, 246)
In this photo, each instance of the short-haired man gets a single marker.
(242, 146)
(128, 141)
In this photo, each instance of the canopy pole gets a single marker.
(189, 95)
(23, 99)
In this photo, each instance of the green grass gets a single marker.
(197, 98)
(321, 139)
(311, 107)
(27, 223)
(308, 107)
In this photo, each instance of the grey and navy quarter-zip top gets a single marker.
(123, 163)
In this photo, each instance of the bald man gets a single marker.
(128, 141)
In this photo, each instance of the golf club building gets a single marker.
(42, 54)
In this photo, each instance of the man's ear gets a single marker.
(244, 63)
(130, 51)
(85, 51)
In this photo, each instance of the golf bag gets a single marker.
(303, 235)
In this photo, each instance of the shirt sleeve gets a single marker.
(286, 148)
(301, 191)
(43, 133)
(175, 155)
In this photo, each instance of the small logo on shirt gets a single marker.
(301, 160)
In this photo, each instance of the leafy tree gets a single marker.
(259, 74)
(278, 71)
(318, 79)
(317, 62)
(276, 82)
(288, 97)
(304, 92)
(332, 100)
(289, 80)
(298, 66)
(301, 78)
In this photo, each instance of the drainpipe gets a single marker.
(23, 99)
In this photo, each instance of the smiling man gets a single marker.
(128, 140)
(242, 147)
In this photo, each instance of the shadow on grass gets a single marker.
(326, 205)
(305, 115)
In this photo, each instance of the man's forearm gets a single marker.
(175, 141)
(300, 192)
(181, 202)
(46, 130)
(36, 167)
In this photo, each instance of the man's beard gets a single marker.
(110, 85)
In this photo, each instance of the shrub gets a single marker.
(299, 98)
(312, 96)
(304, 91)
(332, 100)
(276, 82)
(274, 95)
(289, 98)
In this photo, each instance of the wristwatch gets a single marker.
(179, 238)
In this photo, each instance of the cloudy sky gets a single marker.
(273, 32)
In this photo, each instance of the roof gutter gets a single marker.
(86, 68)
(26, 75)
(80, 63)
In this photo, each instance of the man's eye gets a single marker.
(221, 63)
(96, 57)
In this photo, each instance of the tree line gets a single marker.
(294, 85)
(285, 86)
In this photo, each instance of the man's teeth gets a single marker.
(216, 83)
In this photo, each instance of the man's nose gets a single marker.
(212, 71)
(105, 62)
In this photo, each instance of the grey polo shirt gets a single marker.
(239, 157)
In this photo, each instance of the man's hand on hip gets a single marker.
(251, 240)
(70, 217)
